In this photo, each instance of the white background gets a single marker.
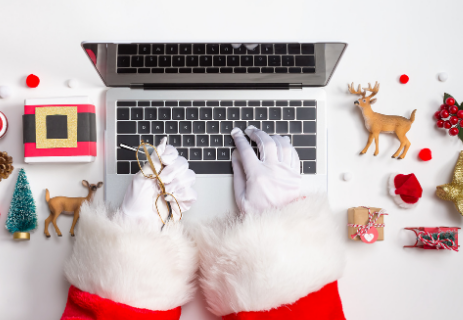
(386, 39)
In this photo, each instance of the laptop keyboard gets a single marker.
(200, 129)
(215, 58)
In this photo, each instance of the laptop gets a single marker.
(196, 93)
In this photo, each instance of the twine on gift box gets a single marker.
(363, 229)
(438, 243)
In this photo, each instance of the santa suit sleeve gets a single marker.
(280, 264)
(124, 269)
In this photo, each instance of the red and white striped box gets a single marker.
(59, 130)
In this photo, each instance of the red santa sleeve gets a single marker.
(280, 264)
(124, 269)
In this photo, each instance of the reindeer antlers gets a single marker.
(363, 92)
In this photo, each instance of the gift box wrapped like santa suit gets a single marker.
(279, 263)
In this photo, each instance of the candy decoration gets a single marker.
(404, 79)
(405, 189)
(3, 124)
(443, 76)
(453, 191)
(5, 92)
(32, 81)
(425, 154)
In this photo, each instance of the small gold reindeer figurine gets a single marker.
(377, 122)
(67, 205)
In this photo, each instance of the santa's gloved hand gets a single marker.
(271, 182)
(140, 197)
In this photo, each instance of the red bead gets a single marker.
(450, 101)
(460, 114)
(461, 123)
(444, 106)
(32, 81)
(453, 120)
(447, 125)
(444, 114)
(425, 154)
(454, 131)
(404, 79)
(453, 109)
(437, 115)
(440, 123)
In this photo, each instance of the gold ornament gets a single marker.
(453, 191)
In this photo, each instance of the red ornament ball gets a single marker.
(440, 123)
(450, 101)
(444, 114)
(437, 115)
(444, 106)
(447, 125)
(453, 109)
(460, 114)
(454, 131)
(32, 81)
(404, 79)
(453, 120)
(425, 154)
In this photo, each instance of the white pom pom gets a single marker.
(5, 92)
(443, 76)
(347, 176)
(73, 83)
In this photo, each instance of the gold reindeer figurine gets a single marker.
(377, 122)
(67, 205)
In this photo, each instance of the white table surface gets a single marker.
(419, 38)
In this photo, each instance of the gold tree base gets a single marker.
(21, 236)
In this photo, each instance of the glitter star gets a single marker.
(453, 191)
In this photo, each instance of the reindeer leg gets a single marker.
(58, 231)
(376, 136)
(76, 217)
(47, 222)
(370, 140)
(401, 136)
(407, 146)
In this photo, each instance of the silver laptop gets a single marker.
(196, 93)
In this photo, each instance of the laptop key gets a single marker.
(212, 49)
(144, 48)
(147, 139)
(202, 141)
(185, 49)
(310, 126)
(239, 70)
(172, 103)
(205, 61)
(165, 61)
(240, 103)
(310, 103)
(267, 70)
(158, 138)
(233, 113)
(253, 70)
(157, 127)
(268, 103)
(164, 114)
(185, 103)
(171, 48)
(171, 127)
(211, 167)
(185, 126)
(209, 154)
(212, 126)
(240, 124)
(123, 167)
(304, 140)
(282, 127)
(130, 140)
(254, 123)
(261, 113)
(178, 61)
(260, 61)
(305, 61)
(144, 70)
(233, 61)
(219, 114)
(308, 70)
(220, 61)
(281, 103)
(212, 70)
(295, 103)
(124, 154)
(216, 141)
(199, 70)
(256, 50)
(199, 48)
(143, 127)
(123, 113)
(185, 70)
(294, 48)
(226, 70)
(134, 167)
(266, 48)
(294, 70)
(205, 113)
(199, 103)
(274, 61)
(295, 127)
(158, 49)
(280, 48)
(274, 114)
(287, 61)
(126, 127)
(212, 103)
(254, 103)
(127, 49)
(126, 70)
(281, 70)
(307, 48)
(226, 49)
(223, 154)
(123, 61)
(192, 113)
(192, 61)
(183, 152)
(188, 140)
(226, 103)
(196, 154)
(309, 167)
(228, 141)
(199, 127)
(175, 140)
(226, 126)
(240, 50)
(136, 113)
(307, 153)
(171, 70)
(247, 61)
(157, 70)
(157, 103)
(268, 126)
(288, 114)
(306, 113)
(126, 103)
(247, 114)
(178, 113)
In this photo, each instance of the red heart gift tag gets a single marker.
(371, 235)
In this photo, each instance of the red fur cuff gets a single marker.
(324, 304)
(86, 306)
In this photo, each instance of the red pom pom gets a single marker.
(404, 79)
(425, 154)
(32, 81)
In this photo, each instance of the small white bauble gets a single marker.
(347, 176)
(73, 83)
(5, 92)
(443, 76)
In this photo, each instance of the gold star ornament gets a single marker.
(453, 191)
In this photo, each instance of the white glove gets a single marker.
(271, 182)
(140, 197)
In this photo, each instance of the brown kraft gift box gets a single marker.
(359, 215)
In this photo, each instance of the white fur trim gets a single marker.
(396, 197)
(131, 262)
(260, 261)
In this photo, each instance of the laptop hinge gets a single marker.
(215, 86)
